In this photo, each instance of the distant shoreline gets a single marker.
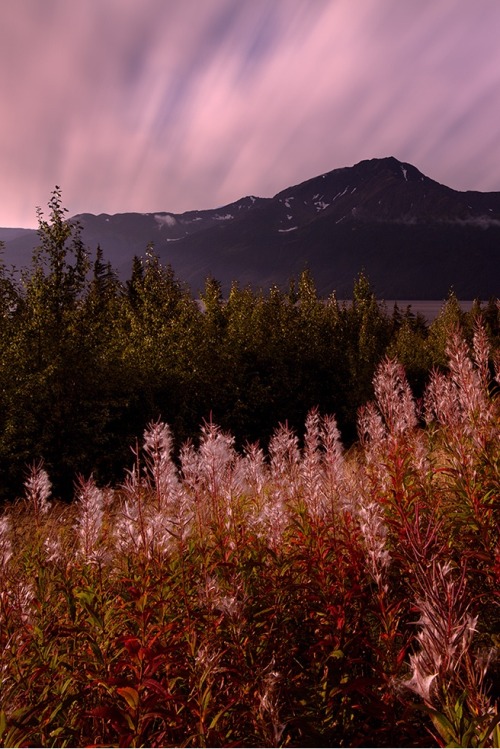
(429, 308)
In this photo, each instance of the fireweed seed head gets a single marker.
(446, 628)
(372, 432)
(37, 490)
(311, 466)
(374, 532)
(217, 458)
(269, 705)
(160, 469)
(420, 682)
(394, 397)
(209, 592)
(6, 549)
(126, 530)
(207, 660)
(24, 597)
(285, 461)
(440, 403)
(53, 549)
(163, 532)
(253, 466)
(470, 381)
(481, 352)
(158, 440)
(284, 453)
(420, 455)
(90, 503)
(230, 606)
(334, 460)
(190, 460)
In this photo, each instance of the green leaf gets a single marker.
(337, 654)
(130, 695)
(57, 731)
(493, 731)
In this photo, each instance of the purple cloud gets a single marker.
(153, 105)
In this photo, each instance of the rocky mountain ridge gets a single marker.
(414, 237)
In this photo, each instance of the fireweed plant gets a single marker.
(303, 597)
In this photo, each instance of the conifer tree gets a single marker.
(44, 358)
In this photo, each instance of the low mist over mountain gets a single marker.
(414, 237)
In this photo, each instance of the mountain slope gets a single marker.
(414, 237)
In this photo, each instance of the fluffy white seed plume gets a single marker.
(446, 628)
(311, 466)
(373, 439)
(481, 352)
(269, 705)
(53, 548)
(150, 521)
(372, 432)
(189, 460)
(459, 400)
(374, 531)
(334, 454)
(217, 458)
(334, 470)
(440, 400)
(37, 491)
(23, 596)
(285, 462)
(475, 405)
(394, 398)
(253, 474)
(284, 485)
(172, 515)
(210, 469)
(160, 469)
(130, 531)
(5, 541)
(90, 503)
(212, 478)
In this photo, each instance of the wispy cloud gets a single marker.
(153, 105)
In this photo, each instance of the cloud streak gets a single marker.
(156, 105)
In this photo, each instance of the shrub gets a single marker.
(316, 597)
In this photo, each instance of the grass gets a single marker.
(310, 598)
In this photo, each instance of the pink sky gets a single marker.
(169, 105)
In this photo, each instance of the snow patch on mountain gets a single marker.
(165, 220)
(340, 194)
(483, 222)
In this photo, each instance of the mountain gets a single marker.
(414, 237)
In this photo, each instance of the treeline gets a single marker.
(87, 361)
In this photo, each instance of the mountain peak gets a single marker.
(414, 237)
(389, 165)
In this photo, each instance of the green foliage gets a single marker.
(322, 598)
(86, 361)
(450, 316)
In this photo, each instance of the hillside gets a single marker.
(414, 237)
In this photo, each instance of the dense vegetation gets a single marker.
(317, 598)
(86, 361)
(215, 592)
